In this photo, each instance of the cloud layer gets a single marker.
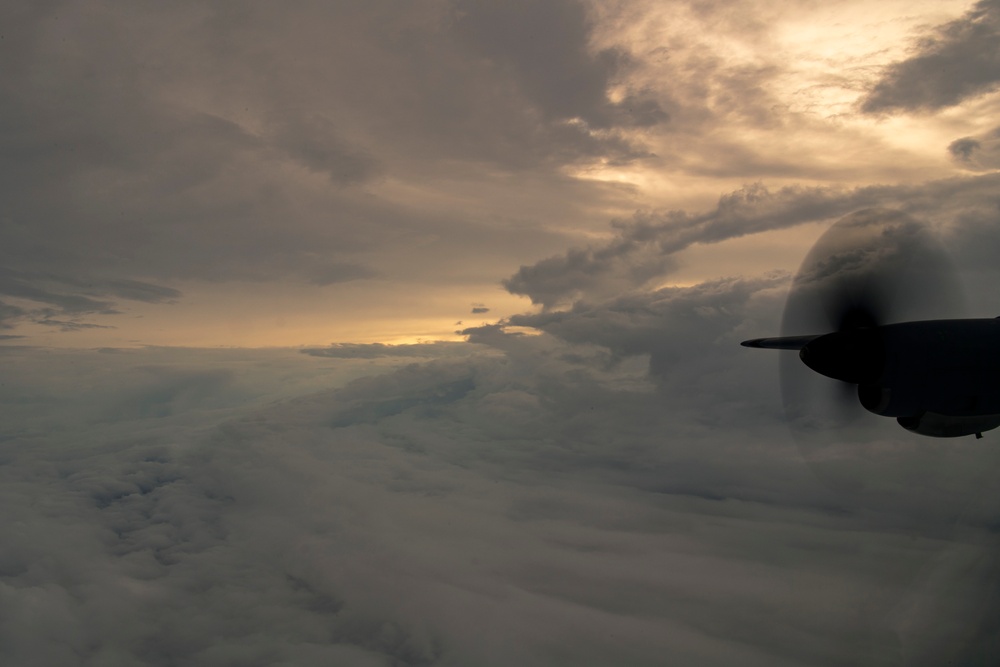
(620, 488)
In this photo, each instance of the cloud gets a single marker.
(962, 149)
(705, 317)
(135, 290)
(957, 62)
(321, 148)
(116, 181)
(620, 487)
(133, 166)
(544, 504)
(168, 391)
(21, 286)
(339, 273)
(9, 314)
(70, 325)
(379, 350)
(546, 49)
(642, 249)
(978, 153)
(56, 295)
(315, 143)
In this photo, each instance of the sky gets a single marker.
(380, 333)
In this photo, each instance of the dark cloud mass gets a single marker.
(960, 60)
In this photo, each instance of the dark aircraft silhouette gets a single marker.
(937, 377)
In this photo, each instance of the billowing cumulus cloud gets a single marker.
(959, 60)
(548, 503)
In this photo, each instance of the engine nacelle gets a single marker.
(943, 426)
(938, 378)
(889, 401)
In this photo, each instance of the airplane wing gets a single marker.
(782, 343)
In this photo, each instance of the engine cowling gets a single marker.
(943, 426)
(939, 378)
